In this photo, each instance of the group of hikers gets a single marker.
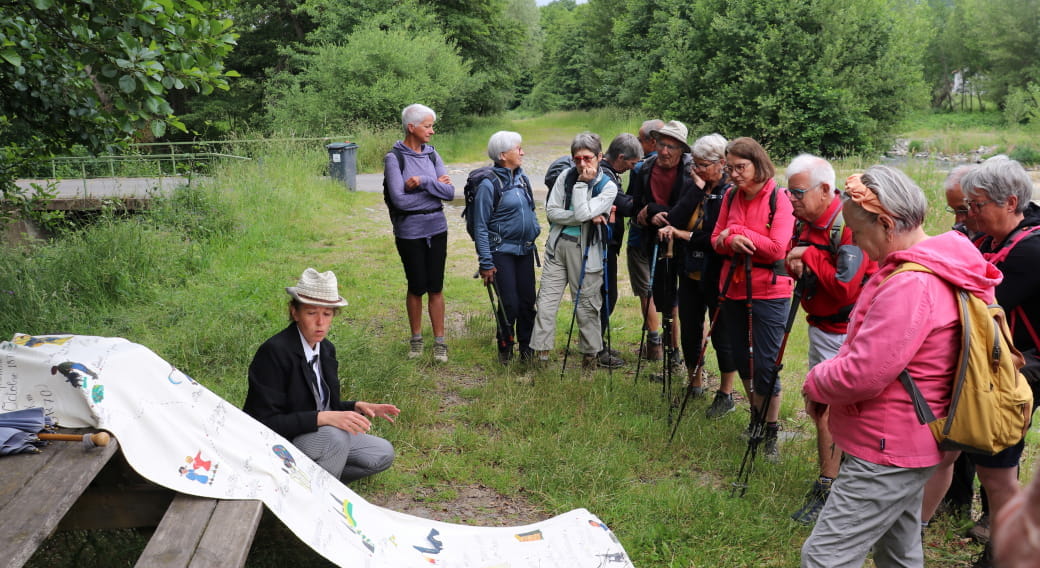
(710, 232)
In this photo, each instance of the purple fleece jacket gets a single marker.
(428, 195)
(908, 322)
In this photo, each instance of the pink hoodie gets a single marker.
(909, 322)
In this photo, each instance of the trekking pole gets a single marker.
(646, 309)
(747, 464)
(505, 331)
(606, 299)
(666, 340)
(704, 346)
(577, 299)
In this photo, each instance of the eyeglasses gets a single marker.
(957, 210)
(737, 168)
(799, 194)
(977, 206)
(583, 159)
(665, 145)
(703, 165)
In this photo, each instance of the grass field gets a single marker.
(201, 282)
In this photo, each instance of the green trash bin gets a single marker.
(343, 163)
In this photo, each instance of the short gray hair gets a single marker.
(999, 177)
(502, 142)
(587, 141)
(899, 195)
(624, 145)
(819, 170)
(711, 147)
(650, 125)
(415, 114)
(956, 175)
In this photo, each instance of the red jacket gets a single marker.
(826, 300)
(750, 218)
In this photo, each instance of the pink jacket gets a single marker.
(750, 218)
(909, 322)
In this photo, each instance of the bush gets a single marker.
(1023, 105)
(369, 79)
(1026, 154)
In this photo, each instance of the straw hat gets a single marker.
(317, 289)
(673, 129)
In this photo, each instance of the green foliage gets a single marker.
(829, 77)
(1028, 154)
(369, 79)
(1023, 105)
(95, 73)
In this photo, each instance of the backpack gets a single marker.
(557, 167)
(992, 403)
(396, 213)
(469, 191)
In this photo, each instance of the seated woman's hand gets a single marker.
(372, 410)
(346, 420)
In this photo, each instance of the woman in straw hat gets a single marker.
(294, 387)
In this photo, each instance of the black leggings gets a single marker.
(423, 261)
(515, 278)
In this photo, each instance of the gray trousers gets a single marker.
(870, 506)
(345, 455)
(564, 269)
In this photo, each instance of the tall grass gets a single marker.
(202, 284)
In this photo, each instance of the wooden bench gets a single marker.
(65, 487)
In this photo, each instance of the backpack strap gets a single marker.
(1020, 313)
(1016, 236)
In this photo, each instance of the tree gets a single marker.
(97, 73)
(829, 76)
(368, 79)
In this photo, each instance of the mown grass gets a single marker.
(202, 284)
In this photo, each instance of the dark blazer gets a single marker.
(282, 394)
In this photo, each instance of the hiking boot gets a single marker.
(980, 531)
(608, 360)
(770, 451)
(440, 352)
(721, 406)
(677, 363)
(505, 356)
(415, 347)
(695, 392)
(527, 355)
(814, 501)
(754, 431)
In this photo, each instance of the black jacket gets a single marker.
(639, 188)
(700, 254)
(281, 385)
(1021, 278)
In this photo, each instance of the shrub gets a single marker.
(370, 78)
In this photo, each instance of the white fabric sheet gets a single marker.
(176, 433)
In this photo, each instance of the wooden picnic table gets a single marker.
(67, 487)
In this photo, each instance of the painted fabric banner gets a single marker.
(176, 433)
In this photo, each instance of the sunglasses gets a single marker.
(799, 194)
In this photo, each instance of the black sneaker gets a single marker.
(505, 356)
(721, 406)
(814, 501)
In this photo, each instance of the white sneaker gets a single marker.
(415, 348)
(440, 352)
